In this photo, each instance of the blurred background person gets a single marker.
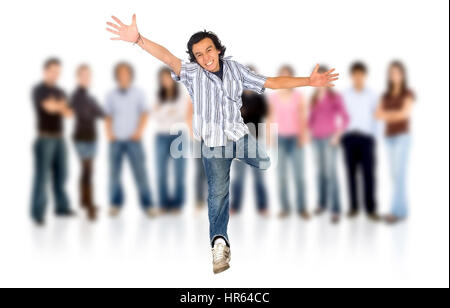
(126, 118)
(49, 150)
(200, 183)
(253, 111)
(359, 141)
(328, 119)
(86, 111)
(288, 110)
(395, 110)
(169, 112)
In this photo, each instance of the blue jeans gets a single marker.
(239, 171)
(86, 150)
(288, 149)
(327, 180)
(217, 169)
(50, 161)
(199, 177)
(135, 153)
(163, 157)
(398, 149)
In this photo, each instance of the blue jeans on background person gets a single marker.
(327, 180)
(239, 172)
(86, 150)
(200, 181)
(199, 176)
(398, 150)
(50, 162)
(288, 149)
(163, 158)
(136, 156)
(217, 169)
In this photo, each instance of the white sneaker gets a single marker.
(221, 258)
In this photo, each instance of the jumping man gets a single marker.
(215, 85)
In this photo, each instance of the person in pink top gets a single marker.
(327, 121)
(287, 108)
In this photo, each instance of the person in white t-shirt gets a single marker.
(170, 115)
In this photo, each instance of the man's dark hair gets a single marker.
(358, 67)
(197, 37)
(51, 61)
(126, 65)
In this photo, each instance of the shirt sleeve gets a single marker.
(61, 94)
(264, 108)
(143, 104)
(108, 105)
(342, 112)
(36, 97)
(187, 74)
(98, 109)
(251, 80)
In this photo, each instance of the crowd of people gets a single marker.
(328, 120)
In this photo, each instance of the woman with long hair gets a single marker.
(327, 121)
(287, 108)
(86, 111)
(395, 110)
(170, 115)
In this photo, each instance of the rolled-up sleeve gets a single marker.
(144, 107)
(251, 80)
(187, 73)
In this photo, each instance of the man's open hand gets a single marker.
(127, 33)
(322, 79)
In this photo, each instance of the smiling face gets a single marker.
(207, 55)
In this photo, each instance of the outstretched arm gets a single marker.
(315, 80)
(130, 33)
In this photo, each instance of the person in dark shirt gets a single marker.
(254, 110)
(49, 149)
(86, 111)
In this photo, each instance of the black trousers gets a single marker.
(359, 153)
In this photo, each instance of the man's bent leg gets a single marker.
(252, 153)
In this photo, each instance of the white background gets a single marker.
(173, 251)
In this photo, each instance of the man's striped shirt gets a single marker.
(217, 103)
